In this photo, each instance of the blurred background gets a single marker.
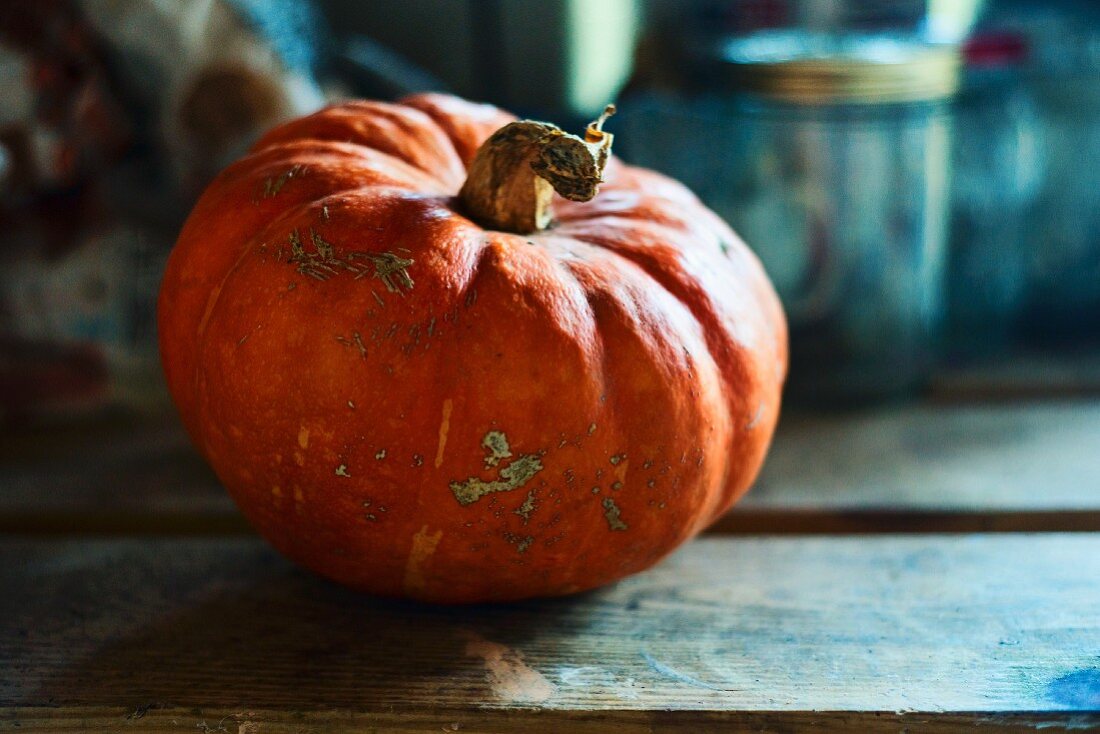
(920, 178)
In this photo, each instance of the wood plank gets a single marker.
(1032, 374)
(947, 468)
(119, 475)
(992, 457)
(923, 468)
(834, 633)
(747, 519)
(156, 720)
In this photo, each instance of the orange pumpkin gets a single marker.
(467, 393)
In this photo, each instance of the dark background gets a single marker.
(116, 114)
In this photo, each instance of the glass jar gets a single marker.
(997, 175)
(830, 157)
(1064, 282)
(1062, 73)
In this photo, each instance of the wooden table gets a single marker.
(908, 568)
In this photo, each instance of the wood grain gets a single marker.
(1036, 374)
(748, 519)
(164, 719)
(985, 458)
(768, 633)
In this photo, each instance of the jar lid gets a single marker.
(805, 68)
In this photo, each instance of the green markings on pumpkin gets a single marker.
(325, 249)
(323, 262)
(319, 265)
(297, 249)
(390, 268)
(496, 447)
(529, 505)
(274, 184)
(514, 475)
(356, 341)
(614, 517)
(522, 543)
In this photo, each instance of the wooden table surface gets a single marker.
(908, 568)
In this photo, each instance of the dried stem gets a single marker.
(516, 171)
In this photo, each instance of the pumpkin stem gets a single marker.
(515, 173)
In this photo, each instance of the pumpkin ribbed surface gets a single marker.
(414, 405)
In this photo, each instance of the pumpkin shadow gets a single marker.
(285, 637)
